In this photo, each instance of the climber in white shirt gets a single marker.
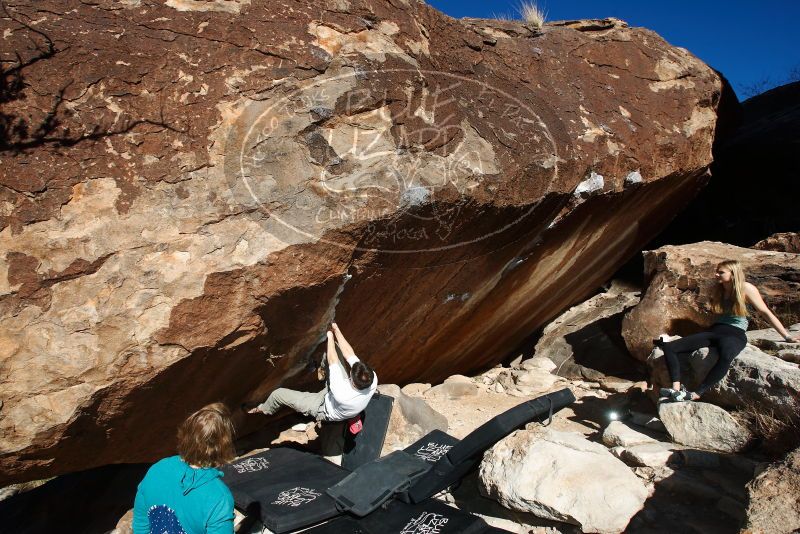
(346, 394)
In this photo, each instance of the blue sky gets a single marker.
(749, 42)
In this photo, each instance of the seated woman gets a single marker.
(185, 494)
(727, 334)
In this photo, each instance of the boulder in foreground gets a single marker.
(564, 477)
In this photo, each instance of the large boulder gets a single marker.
(191, 196)
(564, 477)
(680, 281)
(781, 242)
(584, 342)
(773, 503)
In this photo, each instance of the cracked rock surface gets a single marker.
(191, 191)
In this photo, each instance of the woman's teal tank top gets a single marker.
(727, 316)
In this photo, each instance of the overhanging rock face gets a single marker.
(193, 190)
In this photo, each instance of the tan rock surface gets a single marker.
(188, 188)
(680, 281)
(773, 503)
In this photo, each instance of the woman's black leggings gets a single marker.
(728, 340)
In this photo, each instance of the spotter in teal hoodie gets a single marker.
(177, 498)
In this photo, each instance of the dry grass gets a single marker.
(778, 432)
(532, 13)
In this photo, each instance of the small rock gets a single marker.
(453, 390)
(653, 474)
(618, 433)
(416, 389)
(541, 364)
(615, 385)
(534, 381)
(617, 451)
(648, 454)
(704, 426)
(458, 379)
(300, 427)
(789, 355)
(648, 421)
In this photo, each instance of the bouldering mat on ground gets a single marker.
(428, 517)
(367, 444)
(285, 487)
(374, 483)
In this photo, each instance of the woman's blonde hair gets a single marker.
(738, 304)
(205, 438)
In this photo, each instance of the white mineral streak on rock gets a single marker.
(590, 185)
(373, 43)
(226, 6)
(701, 119)
(592, 131)
(429, 116)
(633, 177)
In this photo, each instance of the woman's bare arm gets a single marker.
(753, 296)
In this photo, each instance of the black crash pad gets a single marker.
(374, 483)
(285, 487)
(367, 444)
(432, 446)
(428, 517)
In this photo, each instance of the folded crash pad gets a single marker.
(374, 483)
(366, 445)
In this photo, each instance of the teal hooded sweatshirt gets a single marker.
(198, 498)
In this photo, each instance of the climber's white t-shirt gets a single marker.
(343, 401)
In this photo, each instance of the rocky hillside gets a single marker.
(192, 190)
